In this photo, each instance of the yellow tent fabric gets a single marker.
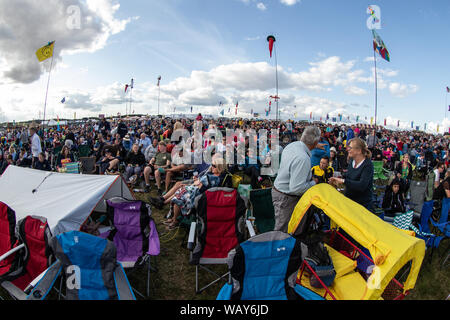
(45, 52)
(390, 248)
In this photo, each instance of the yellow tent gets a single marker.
(390, 248)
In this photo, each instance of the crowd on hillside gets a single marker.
(142, 149)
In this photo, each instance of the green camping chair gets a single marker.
(261, 209)
(379, 173)
(84, 151)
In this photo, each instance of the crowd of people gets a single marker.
(141, 149)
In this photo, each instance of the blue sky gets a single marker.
(322, 46)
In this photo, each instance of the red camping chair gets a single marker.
(35, 254)
(8, 240)
(219, 228)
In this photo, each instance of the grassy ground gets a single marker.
(175, 278)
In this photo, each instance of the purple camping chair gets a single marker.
(134, 233)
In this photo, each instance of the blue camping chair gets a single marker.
(265, 267)
(90, 270)
(440, 227)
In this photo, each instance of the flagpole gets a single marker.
(376, 86)
(276, 71)
(46, 93)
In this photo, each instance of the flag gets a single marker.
(63, 100)
(271, 40)
(385, 122)
(425, 127)
(45, 52)
(159, 81)
(437, 129)
(448, 89)
(412, 124)
(192, 109)
(251, 112)
(58, 127)
(237, 106)
(371, 120)
(398, 123)
(222, 112)
(380, 47)
(328, 116)
(340, 117)
(310, 115)
(126, 88)
(267, 113)
(132, 84)
(357, 118)
(295, 115)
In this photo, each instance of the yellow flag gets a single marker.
(45, 52)
(371, 121)
(437, 129)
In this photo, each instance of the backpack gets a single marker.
(319, 260)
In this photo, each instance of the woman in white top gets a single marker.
(438, 171)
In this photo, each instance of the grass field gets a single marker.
(175, 278)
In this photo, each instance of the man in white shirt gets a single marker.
(36, 148)
(294, 177)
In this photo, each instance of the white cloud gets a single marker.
(290, 2)
(402, 90)
(355, 91)
(261, 6)
(27, 25)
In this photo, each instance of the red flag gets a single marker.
(271, 40)
(126, 88)
(448, 89)
(385, 122)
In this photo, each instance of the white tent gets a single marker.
(66, 200)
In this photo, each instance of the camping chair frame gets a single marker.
(191, 244)
(393, 291)
(146, 261)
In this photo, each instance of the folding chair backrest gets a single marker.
(265, 267)
(425, 215)
(87, 165)
(84, 151)
(418, 190)
(94, 260)
(134, 232)
(262, 209)
(444, 212)
(221, 214)
(73, 167)
(404, 221)
(8, 238)
(35, 233)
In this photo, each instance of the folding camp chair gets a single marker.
(262, 210)
(405, 222)
(33, 253)
(90, 269)
(134, 234)
(84, 151)
(418, 190)
(72, 168)
(87, 165)
(8, 240)
(219, 227)
(440, 227)
(379, 173)
(265, 267)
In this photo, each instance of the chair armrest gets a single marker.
(250, 228)
(10, 252)
(15, 292)
(191, 239)
(35, 282)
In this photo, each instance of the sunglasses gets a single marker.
(214, 166)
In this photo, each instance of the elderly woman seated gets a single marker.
(182, 195)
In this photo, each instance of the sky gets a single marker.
(213, 51)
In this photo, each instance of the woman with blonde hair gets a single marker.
(358, 179)
(182, 196)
